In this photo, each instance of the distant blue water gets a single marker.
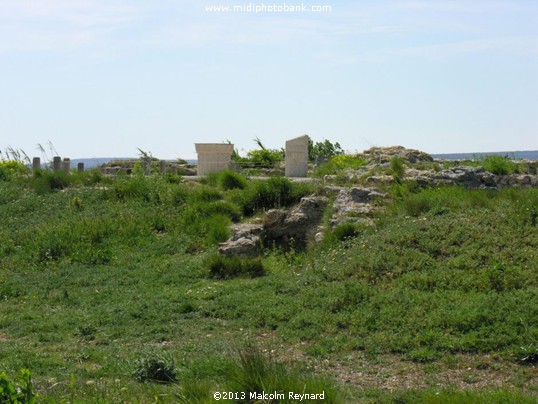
(527, 155)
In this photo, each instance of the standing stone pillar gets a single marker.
(146, 165)
(213, 157)
(66, 164)
(80, 167)
(57, 163)
(162, 166)
(36, 163)
(174, 169)
(297, 157)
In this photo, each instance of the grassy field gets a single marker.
(105, 286)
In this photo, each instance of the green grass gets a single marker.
(98, 283)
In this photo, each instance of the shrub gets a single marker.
(254, 373)
(218, 229)
(47, 181)
(132, 187)
(178, 195)
(12, 167)
(221, 267)
(275, 192)
(339, 163)
(17, 391)
(229, 179)
(323, 150)
(417, 204)
(500, 165)
(398, 169)
(528, 354)
(204, 194)
(156, 368)
(345, 231)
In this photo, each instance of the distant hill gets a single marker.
(528, 155)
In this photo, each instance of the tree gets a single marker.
(323, 150)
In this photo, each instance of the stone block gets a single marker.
(213, 157)
(57, 163)
(297, 157)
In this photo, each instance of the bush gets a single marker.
(132, 187)
(19, 391)
(275, 192)
(156, 368)
(47, 181)
(323, 150)
(255, 373)
(12, 167)
(229, 179)
(5, 175)
(204, 194)
(398, 169)
(345, 231)
(417, 204)
(338, 163)
(218, 229)
(500, 165)
(221, 267)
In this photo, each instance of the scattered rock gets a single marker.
(245, 241)
(294, 226)
(355, 204)
(280, 227)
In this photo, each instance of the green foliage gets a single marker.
(221, 267)
(323, 150)
(262, 156)
(229, 179)
(218, 228)
(345, 231)
(338, 164)
(11, 168)
(398, 169)
(500, 165)
(275, 192)
(452, 396)
(47, 181)
(450, 283)
(155, 367)
(18, 391)
(256, 373)
(528, 354)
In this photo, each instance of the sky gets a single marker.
(104, 78)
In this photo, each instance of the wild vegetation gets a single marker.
(110, 291)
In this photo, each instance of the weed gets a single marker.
(528, 354)
(500, 165)
(345, 231)
(155, 367)
(398, 169)
(255, 373)
(229, 179)
(230, 267)
(48, 181)
(18, 391)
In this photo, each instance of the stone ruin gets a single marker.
(213, 157)
(297, 157)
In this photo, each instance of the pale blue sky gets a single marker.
(105, 77)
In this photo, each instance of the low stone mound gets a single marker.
(280, 228)
(382, 155)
